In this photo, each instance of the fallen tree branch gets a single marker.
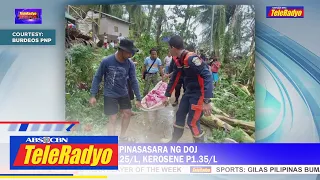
(242, 88)
(218, 111)
(214, 122)
(248, 131)
(235, 122)
(248, 127)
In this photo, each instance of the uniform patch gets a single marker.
(196, 61)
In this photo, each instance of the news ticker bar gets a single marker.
(219, 154)
(186, 169)
(104, 153)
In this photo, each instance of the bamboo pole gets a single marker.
(211, 35)
(214, 122)
(99, 20)
(236, 122)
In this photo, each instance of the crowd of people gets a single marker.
(107, 42)
(183, 68)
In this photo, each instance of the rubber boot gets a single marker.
(199, 139)
(176, 135)
(175, 103)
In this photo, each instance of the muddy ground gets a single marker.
(156, 126)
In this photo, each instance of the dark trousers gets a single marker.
(130, 91)
(178, 89)
(192, 107)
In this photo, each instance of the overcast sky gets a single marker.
(245, 24)
(180, 20)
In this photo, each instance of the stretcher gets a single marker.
(154, 99)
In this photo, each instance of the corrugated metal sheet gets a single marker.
(69, 17)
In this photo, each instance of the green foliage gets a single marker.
(244, 72)
(72, 76)
(234, 101)
(186, 28)
(78, 108)
(226, 48)
(81, 64)
(79, 60)
(115, 10)
(219, 135)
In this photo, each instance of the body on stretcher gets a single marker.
(155, 98)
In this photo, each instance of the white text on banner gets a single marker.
(229, 169)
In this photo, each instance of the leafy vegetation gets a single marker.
(81, 64)
(234, 101)
(219, 135)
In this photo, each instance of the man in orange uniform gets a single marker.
(198, 85)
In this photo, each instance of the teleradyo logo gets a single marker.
(46, 140)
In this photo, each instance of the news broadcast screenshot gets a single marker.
(162, 89)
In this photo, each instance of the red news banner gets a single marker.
(285, 12)
(63, 152)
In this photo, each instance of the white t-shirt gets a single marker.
(112, 44)
(167, 60)
(120, 38)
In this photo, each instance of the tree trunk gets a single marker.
(252, 62)
(184, 24)
(159, 24)
(137, 16)
(214, 122)
(134, 12)
(248, 125)
(106, 9)
(131, 9)
(234, 18)
(150, 18)
(228, 43)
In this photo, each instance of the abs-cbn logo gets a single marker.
(46, 140)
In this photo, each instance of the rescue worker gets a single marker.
(179, 85)
(195, 101)
(177, 89)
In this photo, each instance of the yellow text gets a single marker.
(66, 155)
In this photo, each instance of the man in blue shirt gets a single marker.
(115, 69)
(130, 90)
(152, 66)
